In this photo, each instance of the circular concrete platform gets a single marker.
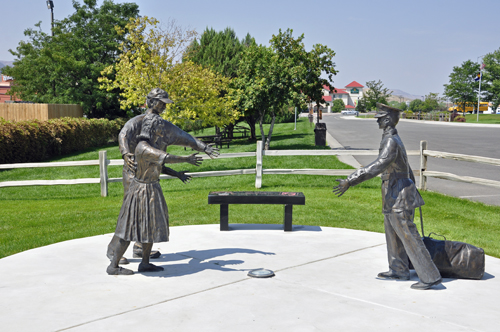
(325, 281)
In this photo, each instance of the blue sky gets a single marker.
(409, 45)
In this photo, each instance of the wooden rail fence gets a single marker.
(424, 153)
(259, 171)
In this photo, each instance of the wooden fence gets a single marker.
(259, 171)
(21, 111)
(424, 153)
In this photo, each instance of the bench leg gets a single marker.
(224, 220)
(287, 225)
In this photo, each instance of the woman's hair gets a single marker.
(149, 123)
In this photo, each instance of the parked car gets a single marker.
(350, 113)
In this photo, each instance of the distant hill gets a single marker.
(396, 93)
(5, 63)
(399, 95)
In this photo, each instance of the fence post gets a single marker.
(258, 166)
(423, 166)
(103, 171)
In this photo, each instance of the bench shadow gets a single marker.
(199, 260)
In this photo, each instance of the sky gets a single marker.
(408, 45)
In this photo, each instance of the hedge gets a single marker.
(35, 140)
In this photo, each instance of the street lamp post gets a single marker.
(50, 5)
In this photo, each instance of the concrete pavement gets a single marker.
(325, 281)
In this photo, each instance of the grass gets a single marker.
(36, 216)
(483, 118)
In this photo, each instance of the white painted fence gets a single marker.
(259, 171)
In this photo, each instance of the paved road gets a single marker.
(479, 140)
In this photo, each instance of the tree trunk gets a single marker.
(229, 130)
(270, 134)
(250, 120)
(261, 119)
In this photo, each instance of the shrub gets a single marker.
(459, 118)
(35, 140)
(284, 117)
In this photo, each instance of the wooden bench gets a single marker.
(224, 198)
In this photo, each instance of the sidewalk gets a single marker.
(325, 281)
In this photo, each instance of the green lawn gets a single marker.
(483, 118)
(36, 216)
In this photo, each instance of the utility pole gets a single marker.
(479, 93)
(50, 5)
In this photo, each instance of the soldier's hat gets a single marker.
(160, 94)
(384, 110)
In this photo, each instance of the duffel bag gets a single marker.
(455, 259)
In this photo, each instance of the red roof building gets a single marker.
(5, 83)
(354, 84)
(349, 95)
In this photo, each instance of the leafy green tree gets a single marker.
(376, 93)
(65, 68)
(221, 51)
(431, 102)
(338, 106)
(416, 105)
(150, 58)
(269, 78)
(318, 62)
(361, 106)
(462, 88)
(402, 106)
(284, 74)
(492, 78)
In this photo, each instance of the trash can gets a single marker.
(320, 134)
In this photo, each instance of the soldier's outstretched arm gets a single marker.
(341, 188)
(387, 155)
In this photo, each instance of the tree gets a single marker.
(416, 105)
(338, 106)
(318, 62)
(492, 78)
(431, 102)
(361, 106)
(151, 57)
(221, 51)
(270, 78)
(402, 106)
(376, 93)
(65, 68)
(462, 88)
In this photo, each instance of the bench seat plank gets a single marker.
(256, 197)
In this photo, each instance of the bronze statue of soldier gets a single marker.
(400, 197)
(128, 139)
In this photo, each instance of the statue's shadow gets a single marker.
(198, 261)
